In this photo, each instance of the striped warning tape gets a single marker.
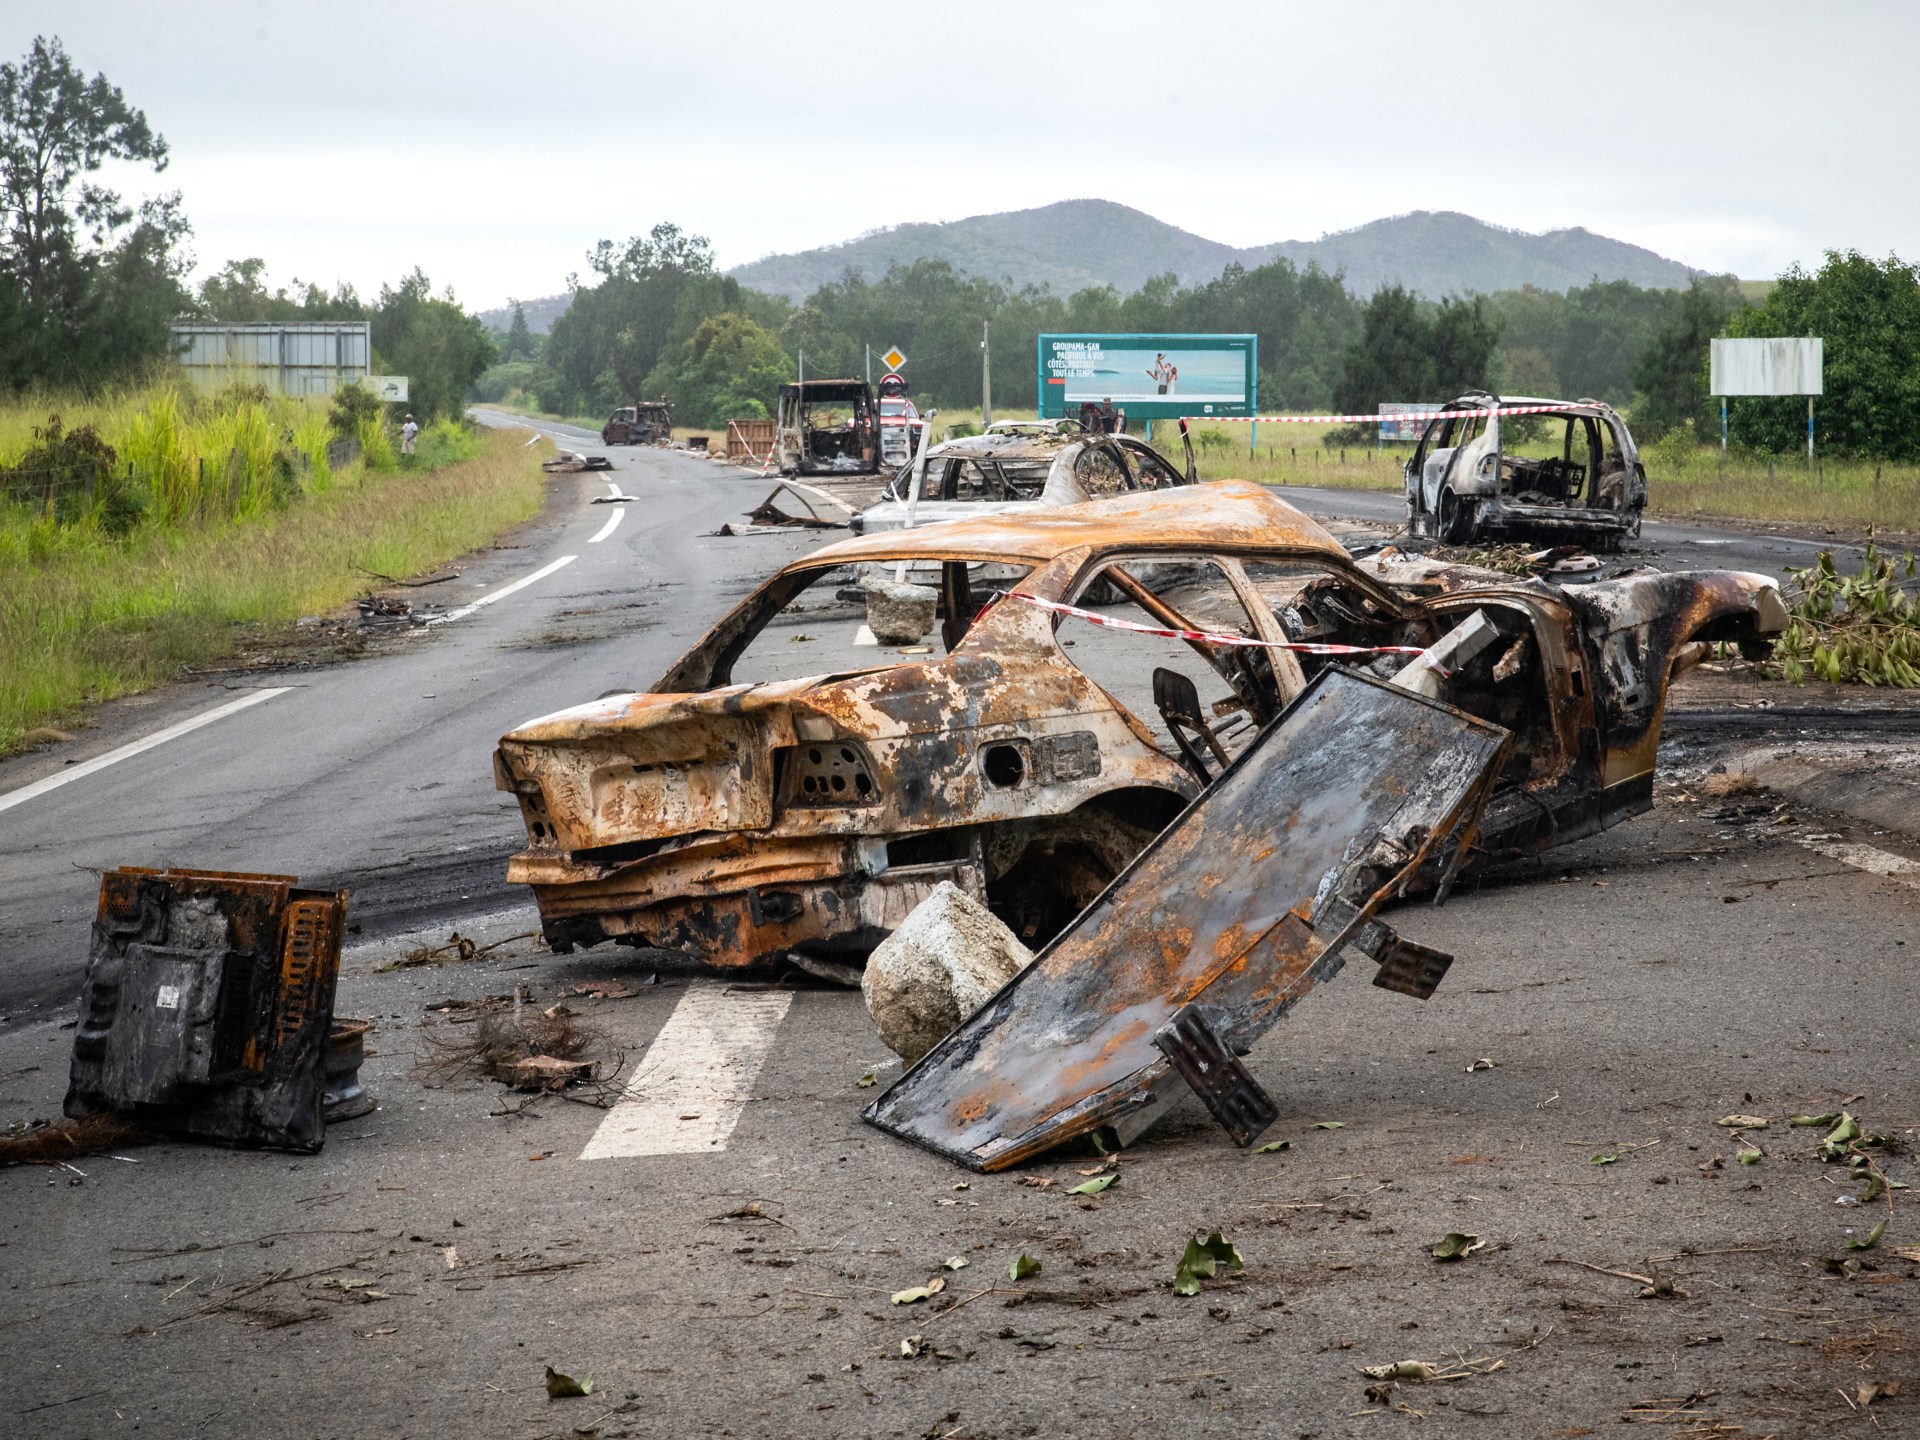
(1210, 637)
(1378, 419)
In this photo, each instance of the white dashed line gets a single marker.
(126, 752)
(687, 1093)
(1869, 859)
(613, 524)
(503, 591)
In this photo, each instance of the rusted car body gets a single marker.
(740, 819)
(1571, 473)
(650, 422)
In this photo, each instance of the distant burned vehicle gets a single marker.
(1003, 469)
(900, 424)
(1568, 472)
(648, 423)
(749, 807)
(827, 427)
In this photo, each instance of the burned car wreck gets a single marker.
(1565, 470)
(749, 806)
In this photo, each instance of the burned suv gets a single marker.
(1566, 470)
(781, 789)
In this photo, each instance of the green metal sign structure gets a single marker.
(1151, 377)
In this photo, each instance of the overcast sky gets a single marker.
(492, 143)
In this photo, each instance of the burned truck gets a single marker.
(1567, 471)
(827, 427)
(650, 422)
(757, 802)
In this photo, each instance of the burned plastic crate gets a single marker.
(207, 1005)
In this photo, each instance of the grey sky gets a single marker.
(492, 143)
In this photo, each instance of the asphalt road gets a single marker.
(376, 775)
(1720, 956)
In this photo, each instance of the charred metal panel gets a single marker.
(1215, 1074)
(207, 1004)
(1243, 903)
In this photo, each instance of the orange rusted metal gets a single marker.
(683, 817)
(1240, 906)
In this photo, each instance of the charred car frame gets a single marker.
(741, 819)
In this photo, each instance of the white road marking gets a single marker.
(127, 752)
(503, 591)
(687, 1093)
(1873, 861)
(613, 523)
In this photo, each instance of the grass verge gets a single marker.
(93, 617)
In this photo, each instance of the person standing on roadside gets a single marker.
(408, 432)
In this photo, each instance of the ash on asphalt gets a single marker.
(417, 1276)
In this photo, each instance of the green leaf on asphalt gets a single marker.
(1223, 1253)
(1873, 1238)
(1095, 1185)
(913, 1296)
(1329, 1124)
(957, 1262)
(1844, 1133)
(1456, 1246)
(1604, 1160)
(561, 1387)
(1744, 1122)
(1023, 1267)
(867, 1079)
(1185, 1282)
(911, 1346)
(1831, 1117)
(1750, 1157)
(1273, 1147)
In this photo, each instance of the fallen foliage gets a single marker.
(1862, 629)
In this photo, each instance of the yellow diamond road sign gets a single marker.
(893, 359)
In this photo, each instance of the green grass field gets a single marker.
(86, 616)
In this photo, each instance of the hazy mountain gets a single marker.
(541, 314)
(1077, 243)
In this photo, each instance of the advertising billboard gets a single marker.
(1765, 367)
(1151, 377)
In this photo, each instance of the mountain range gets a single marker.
(1078, 243)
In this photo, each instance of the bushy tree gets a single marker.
(729, 369)
(438, 346)
(519, 342)
(1670, 379)
(1868, 314)
(87, 280)
(1408, 350)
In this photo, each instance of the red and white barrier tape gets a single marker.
(1209, 637)
(1421, 415)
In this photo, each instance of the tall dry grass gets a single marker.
(85, 617)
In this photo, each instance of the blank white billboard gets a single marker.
(1765, 367)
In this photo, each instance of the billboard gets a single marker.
(307, 357)
(1410, 422)
(1765, 367)
(1151, 377)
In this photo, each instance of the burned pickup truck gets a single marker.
(748, 807)
(1567, 471)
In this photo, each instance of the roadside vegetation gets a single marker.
(147, 531)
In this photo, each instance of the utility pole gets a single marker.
(986, 379)
(869, 350)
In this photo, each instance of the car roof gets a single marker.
(1220, 515)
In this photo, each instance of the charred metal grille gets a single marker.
(826, 775)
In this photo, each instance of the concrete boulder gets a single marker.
(900, 614)
(944, 962)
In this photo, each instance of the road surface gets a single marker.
(721, 1251)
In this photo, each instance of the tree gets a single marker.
(1670, 378)
(432, 341)
(519, 342)
(89, 278)
(1868, 314)
(1461, 345)
(1390, 360)
(729, 368)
